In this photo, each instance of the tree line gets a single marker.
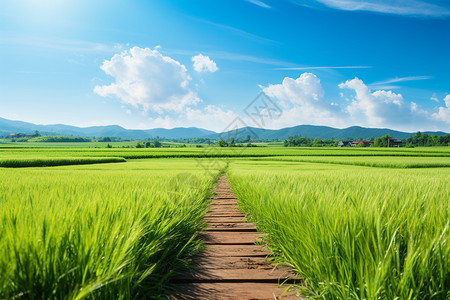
(418, 139)
(423, 139)
(307, 142)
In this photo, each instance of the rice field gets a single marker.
(353, 232)
(355, 223)
(368, 161)
(216, 152)
(115, 231)
(53, 161)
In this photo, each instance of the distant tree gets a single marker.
(158, 144)
(148, 145)
(108, 146)
(385, 139)
(105, 139)
(247, 140)
(423, 139)
(36, 134)
(382, 141)
(222, 143)
(377, 142)
(232, 142)
(139, 145)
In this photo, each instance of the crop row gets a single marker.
(219, 152)
(371, 161)
(111, 232)
(353, 234)
(52, 161)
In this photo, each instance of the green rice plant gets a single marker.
(51, 161)
(352, 232)
(370, 161)
(134, 153)
(117, 231)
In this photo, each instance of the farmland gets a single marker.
(355, 223)
(99, 231)
(352, 232)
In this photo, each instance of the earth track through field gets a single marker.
(232, 266)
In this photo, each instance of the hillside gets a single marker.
(310, 131)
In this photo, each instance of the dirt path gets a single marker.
(232, 266)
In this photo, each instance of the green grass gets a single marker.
(116, 231)
(353, 232)
(368, 161)
(133, 153)
(51, 161)
(120, 231)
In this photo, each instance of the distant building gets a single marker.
(392, 143)
(344, 144)
(395, 143)
(366, 143)
(362, 143)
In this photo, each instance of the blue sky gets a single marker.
(147, 64)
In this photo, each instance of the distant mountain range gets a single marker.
(9, 126)
(310, 131)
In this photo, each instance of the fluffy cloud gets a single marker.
(444, 112)
(385, 108)
(204, 64)
(377, 107)
(146, 79)
(302, 101)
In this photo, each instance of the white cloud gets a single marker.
(204, 64)
(378, 107)
(444, 112)
(302, 101)
(146, 79)
(303, 90)
(387, 84)
(398, 7)
(434, 98)
(402, 79)
(259, 3)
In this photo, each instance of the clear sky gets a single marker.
(147, 64)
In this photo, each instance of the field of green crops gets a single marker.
(355, 223)
(353, 232)
(109, 231)
(367, 161)
(134, 153)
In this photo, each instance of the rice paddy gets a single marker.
(52, 161)
(355, 223)
(100, 231)
(352, 232)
